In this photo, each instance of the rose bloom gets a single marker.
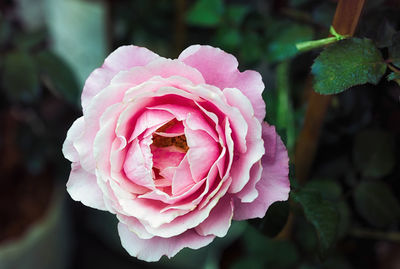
(176, 149)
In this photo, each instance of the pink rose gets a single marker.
(176, 149)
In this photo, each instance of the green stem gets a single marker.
(313, 44)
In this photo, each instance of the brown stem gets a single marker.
(180, 25)
(344, 22)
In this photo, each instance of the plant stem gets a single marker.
(344, 22)
(180, 25)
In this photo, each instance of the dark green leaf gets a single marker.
(394, 76)
(20, 79)
(248, 262)
(347, 63)
(250, 50)
(283, 44)
(373, 153)
(376, 203)
(58, 76)
(321, 213)
(272, 253)
(385, 34)
(206, 13)
(236, 13)
(228, 38)
(394, 50)
(329, 189)
(274, 220)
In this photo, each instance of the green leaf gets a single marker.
(376, 203)
(228, 38)
(248, 262)
(271, 253)
(58, 76)
(329, 189)
(394, 76)
(347, 63)
(321, 213)
(236, 13)
(250, 49)
(20, 79)
(205, 13)
(374, 153)
(274, 220)
(283, 43)
(394, 50)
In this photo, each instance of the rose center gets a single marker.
(169, 147)
(176, 141)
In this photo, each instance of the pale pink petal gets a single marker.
(123, 58)
(168, 68)
(274, 184)
(138, 166)
(153, 249)
(249, 192)
(74, 133)
(182, 179)
(82, 186)
(203, 152)
(219, 220)
(220, 69)
(134, 225)
(148, 119)
(189, 220)
(240, 171)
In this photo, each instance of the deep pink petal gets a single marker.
(274, 184)
(153, 249)
(220, 69)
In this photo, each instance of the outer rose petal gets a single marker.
(219, 220)
(122, 58)
(74, 133)
(82, 186)
(154, 248)
(274, 184)
(220, 69)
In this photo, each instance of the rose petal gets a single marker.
(219, 220)
(274, 184)
(82, 186)
(123, 58)
(153, 249)
(74, 133)
(220, 69)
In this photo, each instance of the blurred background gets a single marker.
(49, 47)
